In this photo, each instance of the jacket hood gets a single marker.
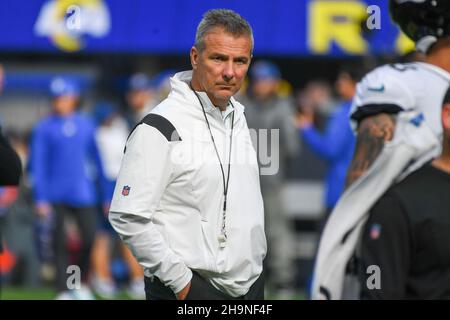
(182, 91)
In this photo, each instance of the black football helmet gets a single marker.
(424, 21)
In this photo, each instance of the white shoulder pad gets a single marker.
(384, 90)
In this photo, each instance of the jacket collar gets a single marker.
(181, 90)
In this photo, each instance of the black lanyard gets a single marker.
(223, 234)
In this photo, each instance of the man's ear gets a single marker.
(194, 57)
(446, 117)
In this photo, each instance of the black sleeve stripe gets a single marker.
(373, 109)
(164, 126)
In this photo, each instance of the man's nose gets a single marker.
(228, 72)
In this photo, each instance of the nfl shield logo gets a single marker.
(375, 231)
(126, 190)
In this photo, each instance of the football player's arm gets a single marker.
(330, 144)
(289, 132)
(373, 132)
(103, 182)
(380, 96)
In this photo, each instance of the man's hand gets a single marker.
(43, 210)
(303, 120)
(184, 292)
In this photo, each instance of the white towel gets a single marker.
(414, 144)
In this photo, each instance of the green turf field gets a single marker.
(12, 293)
(20, 293)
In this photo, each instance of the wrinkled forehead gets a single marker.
(220, 41)
(218, 36)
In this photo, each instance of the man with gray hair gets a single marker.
(187, 200)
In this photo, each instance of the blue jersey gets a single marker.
(64, 161)
(336, 146)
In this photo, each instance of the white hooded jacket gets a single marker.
(167, 204)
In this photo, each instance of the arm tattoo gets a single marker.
(373, 132)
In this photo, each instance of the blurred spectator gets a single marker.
(141, 97)
(316, 98)
(267, 111)
(10, 171)
(161, 84)
(111, 135)
(16, 209)
(336, 144)
(8, 196)
(64, 163)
